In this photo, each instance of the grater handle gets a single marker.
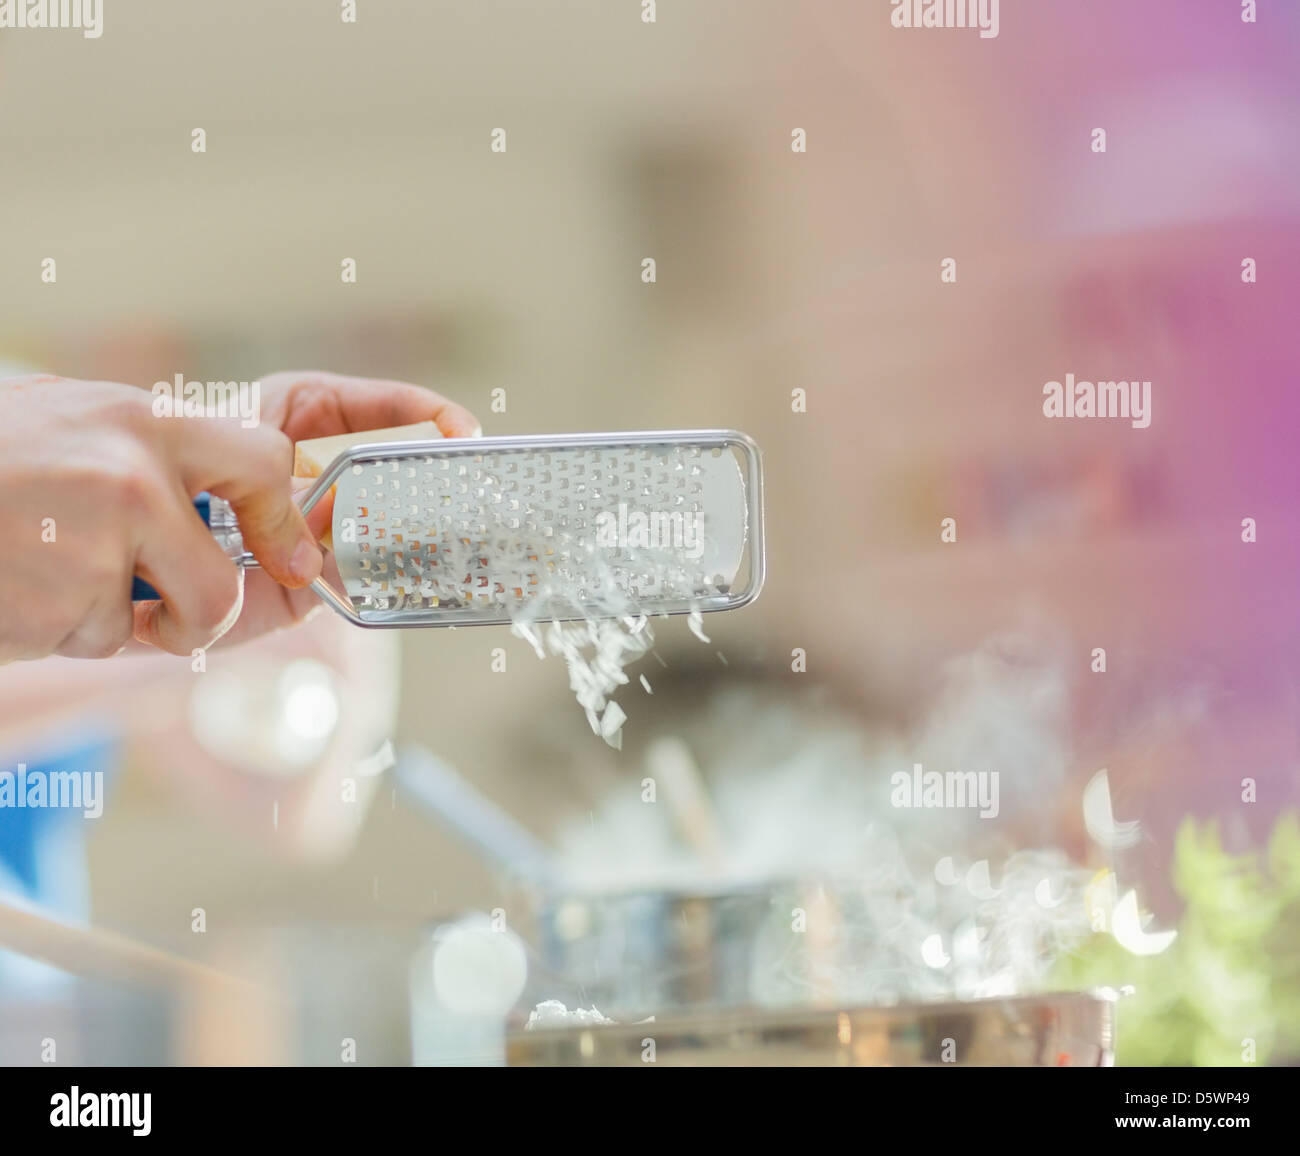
(220, 519)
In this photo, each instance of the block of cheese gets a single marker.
(311, 457)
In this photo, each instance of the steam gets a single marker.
(871, 902)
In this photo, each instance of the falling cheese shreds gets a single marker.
(599, 630)
(611, 725)
(695, 620)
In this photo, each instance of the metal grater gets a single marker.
(461, 531)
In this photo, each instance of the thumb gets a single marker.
(251, 469)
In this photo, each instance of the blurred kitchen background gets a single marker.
(515, 278)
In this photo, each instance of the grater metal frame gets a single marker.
(729, 440)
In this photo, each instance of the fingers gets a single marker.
(202, 590)
(155, 531)
(104, 630)
(324, 404)
(251, 469)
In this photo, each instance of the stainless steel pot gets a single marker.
(779, 943)
(1060, 1030)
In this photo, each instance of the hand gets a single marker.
(307, 405)
(95, 489)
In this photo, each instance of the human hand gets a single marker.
(310, 404)
(95, 489)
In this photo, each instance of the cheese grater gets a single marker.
(479, 531)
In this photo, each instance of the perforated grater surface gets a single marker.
(477, 531)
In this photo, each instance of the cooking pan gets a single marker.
(1057, 1030)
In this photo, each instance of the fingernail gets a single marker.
(478, 432)
(306, 561)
